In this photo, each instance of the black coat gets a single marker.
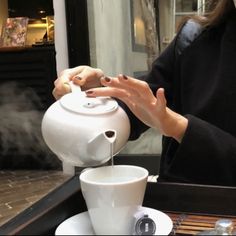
(200, 83)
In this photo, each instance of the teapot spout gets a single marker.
(99, 148)
(110, 136)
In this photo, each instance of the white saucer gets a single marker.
(80, 224)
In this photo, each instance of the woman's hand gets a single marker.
(84, 76)
(150, 109)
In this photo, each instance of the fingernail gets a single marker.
(107, 79)
(77, 77)
(89, 92)
(125, 77)
(66, 83)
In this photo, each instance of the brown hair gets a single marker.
(219, 11)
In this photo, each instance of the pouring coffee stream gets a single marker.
(84, 131)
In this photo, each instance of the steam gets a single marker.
(21, 114)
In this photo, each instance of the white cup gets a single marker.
(113, 194)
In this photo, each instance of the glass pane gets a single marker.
(186, 5)
(209, 5)
(178, 20)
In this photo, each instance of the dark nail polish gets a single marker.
(78, 78)
(125, 77)
(107, 79)
(89, 92)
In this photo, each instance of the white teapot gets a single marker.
(85, 131)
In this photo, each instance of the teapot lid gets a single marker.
(80, 103)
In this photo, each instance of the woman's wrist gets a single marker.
(180, 129)
(176, 125)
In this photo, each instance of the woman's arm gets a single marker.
(149, 108)
(207, 155)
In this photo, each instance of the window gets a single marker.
(183, 8)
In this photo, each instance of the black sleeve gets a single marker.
(206, 155)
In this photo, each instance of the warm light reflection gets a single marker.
(139, 31)
(38, 25)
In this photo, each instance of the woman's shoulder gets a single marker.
(188, 32)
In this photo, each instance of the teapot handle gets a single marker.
(76, 89)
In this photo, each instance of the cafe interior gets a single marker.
(40, 193)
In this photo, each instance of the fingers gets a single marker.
(61, 84)
(87, 75)
(79, 75)
(141, 87)
(60, 90)
(67, 74)
(160, 95)
(107, 91)
(129, 90)
(113, 88)
(134, 86)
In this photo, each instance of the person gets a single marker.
(188, 95)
